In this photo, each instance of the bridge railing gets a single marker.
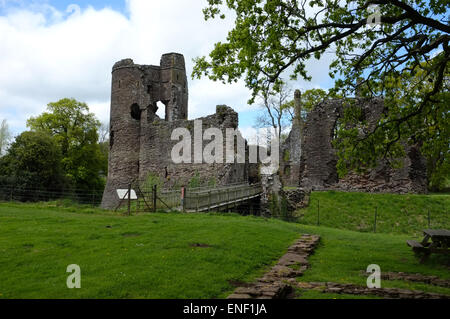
(207, 199)
(198, 199)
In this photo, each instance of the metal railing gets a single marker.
(207, 199)
(197, 199)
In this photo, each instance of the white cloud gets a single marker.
(46, 54)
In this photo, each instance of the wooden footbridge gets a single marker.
(199, 199)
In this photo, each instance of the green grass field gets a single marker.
(155, 256)
(396, 214)
(145, 256)
(342, 255)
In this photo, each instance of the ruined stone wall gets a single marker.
(410, 178)
(291, 149)
(156, 146)
(145, 85)
(140, 141)
(318, 158)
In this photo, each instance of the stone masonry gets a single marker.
(141, 144)
(140, 141)
(318, 158)
(290, 169)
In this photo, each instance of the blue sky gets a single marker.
(55, 49)
(118, 5)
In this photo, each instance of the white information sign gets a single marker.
(122, 193)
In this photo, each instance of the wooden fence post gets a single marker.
(129, 199)
(154, 197)
(138, 204)
(375, 222)
(228, 200)
(197, 195)
(318, 213)
(209, 201)
(183, 199)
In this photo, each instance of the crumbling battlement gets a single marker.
(140, 141)
(145, 85)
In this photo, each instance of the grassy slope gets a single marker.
(342, 255)
(149, 256)
(397, 214)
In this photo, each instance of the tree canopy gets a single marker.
(76, 132)
(277, 110)
(33, 161)
(271, 38)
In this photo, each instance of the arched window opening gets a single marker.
(161, 112)
(135, 112)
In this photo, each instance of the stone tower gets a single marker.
(297, 108)
(292, 147)
(136, 90)
(141, 142)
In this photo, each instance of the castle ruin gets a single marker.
(141, 144)
(140, 141)
(309, 158)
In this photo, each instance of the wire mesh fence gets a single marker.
(150, 197)
(376, 216)
(13, 193)
(244, 199)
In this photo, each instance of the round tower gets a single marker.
(135, 91)
(126, 108)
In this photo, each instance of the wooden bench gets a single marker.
(416, 246)
(440, 239)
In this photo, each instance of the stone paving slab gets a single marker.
(388, 293)
(278, 282)
(431, 280)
